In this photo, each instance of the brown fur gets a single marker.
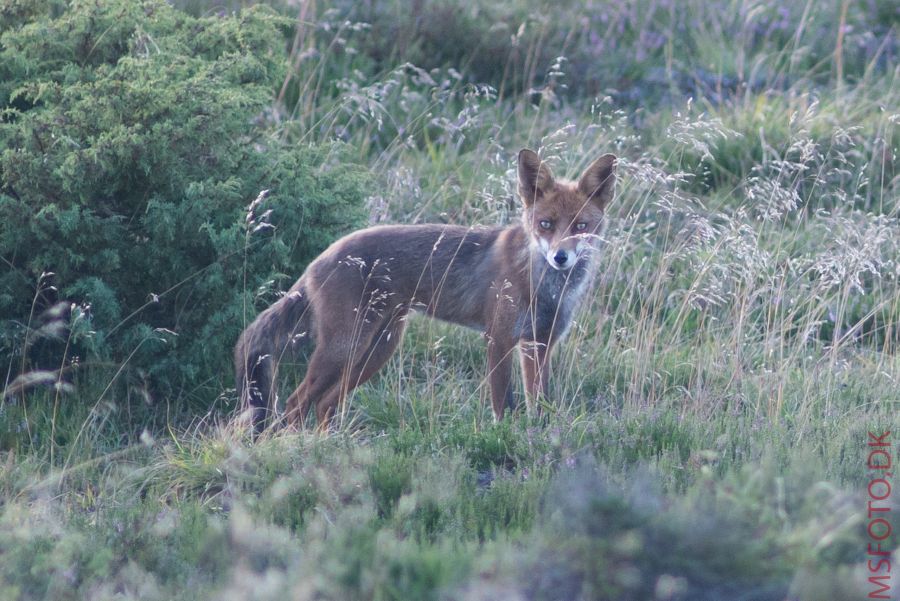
(518, 285)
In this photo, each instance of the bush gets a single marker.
(135, 137)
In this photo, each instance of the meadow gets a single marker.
(707, 433)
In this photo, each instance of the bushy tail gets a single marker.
(274, 335)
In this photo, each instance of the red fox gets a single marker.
(519, 285)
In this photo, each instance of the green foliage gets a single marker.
(289, 502)
(643, 53)
(390, 478)
(495, 445)
(299, 514)
(131, 550)
(604, 541)
(135, 137)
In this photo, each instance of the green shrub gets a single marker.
(135, 137)
(739, 537)
(390, 478)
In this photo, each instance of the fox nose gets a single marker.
(560, 257)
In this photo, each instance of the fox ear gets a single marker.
(598, 182)
(535, 177)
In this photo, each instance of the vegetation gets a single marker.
(707, 433)
(134, 141)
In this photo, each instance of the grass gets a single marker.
(707, 433)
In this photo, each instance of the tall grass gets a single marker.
(712, 399)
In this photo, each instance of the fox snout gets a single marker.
(558, 256)
(562, 259)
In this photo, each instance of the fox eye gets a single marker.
(545, 224)
(581, 226)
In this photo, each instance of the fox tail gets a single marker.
(279, 331)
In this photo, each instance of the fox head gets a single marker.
(564, 218)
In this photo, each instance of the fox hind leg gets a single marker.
(365, 365)
(324, 373)
(328, 380)
(296, 407)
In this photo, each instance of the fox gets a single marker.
(518, 285)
